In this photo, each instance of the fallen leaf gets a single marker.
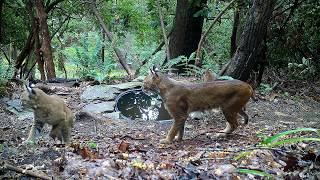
(123, 146)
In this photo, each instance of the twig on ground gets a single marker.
(130, 137)
(26, 172)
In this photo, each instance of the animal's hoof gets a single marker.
(165, 141)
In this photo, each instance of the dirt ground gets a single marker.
(105, 148)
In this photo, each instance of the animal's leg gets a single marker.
(66, 133)
(181, 132)
(178, 126)
(232, 123)
(35, 130)
(244, 115)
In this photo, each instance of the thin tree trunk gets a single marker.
(233, 42)
(103, 46)
(119, 53)
(198, 54)
(1, 7)
(46, 40)
(163, 30)
(249, 47)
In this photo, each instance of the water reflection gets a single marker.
(136, 104)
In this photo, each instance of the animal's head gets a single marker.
(208, 76)
(152, 81)
(31, 95)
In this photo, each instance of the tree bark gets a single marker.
(37, 49)
(233, 41)
(121, 57)
(30, 42)
(1, 7)
(255, 29)
(187, 30)
(46, 40)
(166, 43)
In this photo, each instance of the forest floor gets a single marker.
(117, 149)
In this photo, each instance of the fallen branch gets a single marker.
(26, 172)
(130, 137)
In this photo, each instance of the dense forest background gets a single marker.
(111, 39)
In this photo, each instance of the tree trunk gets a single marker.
(37, 49)
(233, 42)
(187, 30)
(30, 42)
(249, 48)
(46, 40)
(103, 45)
(1, 7)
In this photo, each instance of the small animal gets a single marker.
(208, 76)
(183, 98)
(49, 109)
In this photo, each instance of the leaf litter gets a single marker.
(122, 149)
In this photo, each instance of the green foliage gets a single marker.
(185, 62)
(1, 147)
(86, 57)
(271, 141)
(306, 69)
(216, 49)
(293, 43)
(267, 88)
(256, 172)
(93, 145)
(6, 72)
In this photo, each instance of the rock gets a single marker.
(15, 106)
(139, 79)
(105, 92)
(100, 107)
(112, 115)
(127, 85)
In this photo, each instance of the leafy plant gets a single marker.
(86, 56)
(267, 88)
(272, 141)
(93, 145)
(256, 172)
(304, 69)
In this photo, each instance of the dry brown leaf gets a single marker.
(123, 146)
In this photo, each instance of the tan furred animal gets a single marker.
(208, 76)
(48, 109)
(183, 98)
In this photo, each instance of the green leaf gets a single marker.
(293, 140)
(93, 145)
(256, 172)
(242, 155)
(279, 135)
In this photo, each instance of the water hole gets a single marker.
(136, 104)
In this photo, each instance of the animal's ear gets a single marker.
(154, 71)
(30, 89)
